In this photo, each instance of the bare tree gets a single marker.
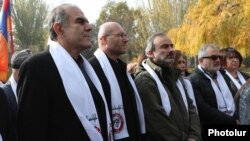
(29, 29)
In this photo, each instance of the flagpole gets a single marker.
(11, 41)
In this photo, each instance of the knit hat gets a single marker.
(19, 57)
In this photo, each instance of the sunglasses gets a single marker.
(213, 57)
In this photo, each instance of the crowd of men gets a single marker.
(60, 95)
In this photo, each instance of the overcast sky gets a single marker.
(91, 8)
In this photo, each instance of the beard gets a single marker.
(213, 69)
(164, 62)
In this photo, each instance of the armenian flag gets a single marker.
(6, 39)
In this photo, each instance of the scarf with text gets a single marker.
(118, 115)
(78, 91)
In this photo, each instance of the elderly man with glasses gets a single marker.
(213, 95)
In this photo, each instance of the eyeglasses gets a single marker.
(213, 57)
(122, 35)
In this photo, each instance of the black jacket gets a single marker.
(127, 93)
(12, 103)
(6, 130)
(206, 101)
(45, 112)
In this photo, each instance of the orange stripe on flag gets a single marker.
(6, 39)
(3, 58)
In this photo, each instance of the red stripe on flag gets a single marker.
(5, 37)
(5, 5)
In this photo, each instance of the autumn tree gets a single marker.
(165, 14)
(179, 9)
(29, 24)
(146, 18)
(225, 23)
(158, 16)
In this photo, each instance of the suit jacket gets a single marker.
(45, 112)
(12, 102)
(206, 101)
(6, 129)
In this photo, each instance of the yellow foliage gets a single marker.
(225, 23)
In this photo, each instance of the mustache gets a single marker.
(86, 35)
(171, 54)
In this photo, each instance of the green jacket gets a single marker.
(180, 124)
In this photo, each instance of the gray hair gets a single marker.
(150, 42)
(58, 15)
(202, 51)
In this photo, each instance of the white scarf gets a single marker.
(13, 85)
(190, 91)
(183, 94)
(1, 139)
(78, 91)
(236, 83)
(116, 98)
(163, 93)
(223, 95)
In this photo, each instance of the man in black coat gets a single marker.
(9, 87)
(119, 88)
(61, 98)
(6, 130)
(213, 96)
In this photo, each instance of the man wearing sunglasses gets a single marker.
(213, 96)
(168, 116)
